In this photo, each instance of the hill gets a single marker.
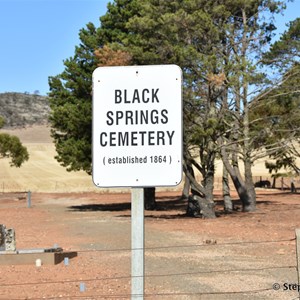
(26, 117)
(21, 109)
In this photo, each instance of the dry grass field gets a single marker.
(43, 173)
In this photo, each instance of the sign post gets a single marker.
(137, 139)
(137, 244)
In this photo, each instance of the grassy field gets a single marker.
(44, 174)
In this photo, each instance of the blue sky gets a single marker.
(37, 35)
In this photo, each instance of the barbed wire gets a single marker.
(146, 295)
(145, 276)
(209, 243)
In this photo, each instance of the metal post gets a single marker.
(29, 199)
(137, 244)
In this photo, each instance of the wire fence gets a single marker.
(90, 282)
(267, 182)
(11, 186)
(70, 288)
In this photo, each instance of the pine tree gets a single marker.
(275, 117)
(216, 43)
(71, 91)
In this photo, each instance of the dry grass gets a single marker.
(44, 174)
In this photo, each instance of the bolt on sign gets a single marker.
(137, 126)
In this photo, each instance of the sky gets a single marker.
(38, 35)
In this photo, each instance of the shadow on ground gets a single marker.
(172, 207)
(163, 204)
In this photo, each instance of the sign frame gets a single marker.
(137, 126)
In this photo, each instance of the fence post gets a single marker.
(29, 199)
(298, 254)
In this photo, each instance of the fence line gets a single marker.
(183, 246)
(146, 295)
(127, 296)
(146, 276)
(282, 183)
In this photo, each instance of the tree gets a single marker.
(70, 103)
(285, 162)
(284, 53)
(276, 115)
(11, 147)
(276, 120)
(245, 34)
(71, 91)
(218, 45)
(184, 35)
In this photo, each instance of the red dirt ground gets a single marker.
(236, 256)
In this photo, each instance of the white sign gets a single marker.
(137, 126)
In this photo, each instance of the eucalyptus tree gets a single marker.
(12, 148)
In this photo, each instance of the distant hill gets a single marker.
(21, 109)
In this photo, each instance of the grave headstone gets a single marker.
(10, 240)
(7, 239)
(2, 237)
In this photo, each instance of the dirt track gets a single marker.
(237, 256)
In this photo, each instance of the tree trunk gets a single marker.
(274, 182)
(241, 190)
(209, 185)
(186, 189)
(244, 188)
(228, 205)
(206, 207)
(293, 187)
(187, 184)
(149, 198)
(249, 202)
